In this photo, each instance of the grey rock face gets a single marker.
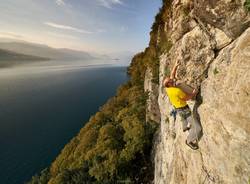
(195, 52)
(226, 15)
(223, 156)
(215, 58)
(225, 112)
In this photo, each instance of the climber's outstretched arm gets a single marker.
(173, 72)
(191, 96)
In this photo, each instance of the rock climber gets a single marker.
(178, 98)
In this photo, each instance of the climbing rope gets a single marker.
(208, 176)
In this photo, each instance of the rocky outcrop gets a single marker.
(152, 111)
(226, 15)
(213, 47)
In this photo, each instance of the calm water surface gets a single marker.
(42, 108)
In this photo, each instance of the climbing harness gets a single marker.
(174, 114)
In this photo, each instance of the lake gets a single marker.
(43, 107)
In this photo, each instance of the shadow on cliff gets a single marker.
(196, 116)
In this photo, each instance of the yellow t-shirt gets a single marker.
(175, 96)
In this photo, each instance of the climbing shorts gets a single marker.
(184, 112)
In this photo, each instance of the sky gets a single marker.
(102, 26)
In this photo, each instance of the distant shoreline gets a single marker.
(11, 64)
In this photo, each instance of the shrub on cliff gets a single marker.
(247, 4)
(43, 178)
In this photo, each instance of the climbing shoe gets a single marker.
(186, 129)
(192, 145)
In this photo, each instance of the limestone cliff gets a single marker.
(211, 39)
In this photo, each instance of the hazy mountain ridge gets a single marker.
(64, 54)
(44, 51)
(8, 58)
